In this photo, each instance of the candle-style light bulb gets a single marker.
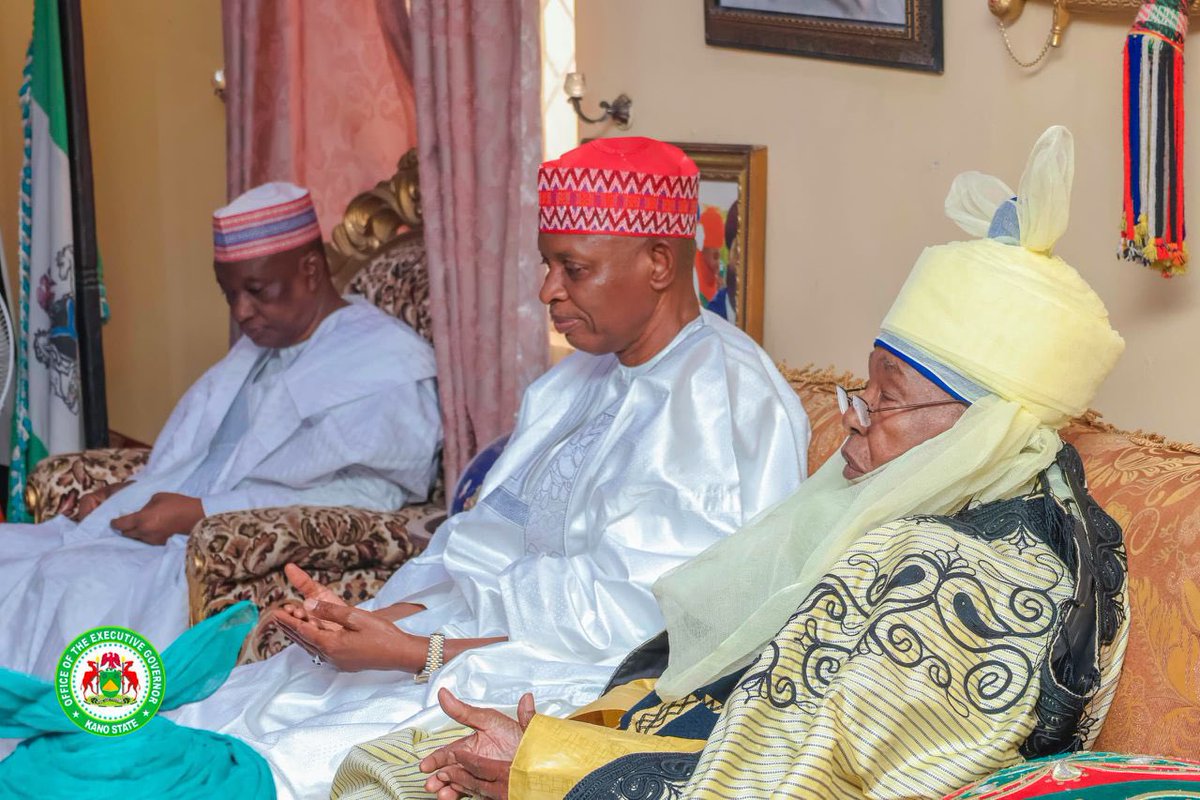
(574, 85)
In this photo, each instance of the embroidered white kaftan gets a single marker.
(613, 475)
(348, 417)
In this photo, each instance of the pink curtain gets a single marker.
(476, 76)
(317, 93)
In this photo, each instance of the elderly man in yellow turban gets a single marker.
(941, 600)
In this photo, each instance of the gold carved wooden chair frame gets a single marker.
(377, 219)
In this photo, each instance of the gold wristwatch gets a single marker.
(434, 658)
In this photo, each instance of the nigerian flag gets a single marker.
(47, 417)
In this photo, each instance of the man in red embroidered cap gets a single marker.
(322, 402)
(665, 432)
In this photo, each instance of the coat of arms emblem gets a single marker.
(110, 681)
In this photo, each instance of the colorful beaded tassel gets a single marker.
(1153, 228)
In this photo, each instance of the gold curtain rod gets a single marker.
(1115, 5)
(1007, 12)
(1011, 8)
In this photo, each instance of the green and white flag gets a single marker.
(48, 416)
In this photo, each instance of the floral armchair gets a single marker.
(377, 252)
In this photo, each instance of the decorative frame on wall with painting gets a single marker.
(731, 234)
(890, 33)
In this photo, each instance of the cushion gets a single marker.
(1089, 776)
(1152, 489)
(397, 282)
(58, 482)
(472, 477)
(817, 390)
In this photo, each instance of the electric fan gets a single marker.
(7, 353)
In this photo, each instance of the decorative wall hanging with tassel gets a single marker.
(1153, 227)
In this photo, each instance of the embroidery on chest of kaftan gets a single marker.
(536, 497)
(550, 488)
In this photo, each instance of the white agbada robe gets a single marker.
(348, 417)
(612, 476)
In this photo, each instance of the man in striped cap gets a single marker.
(323, 401)
(665, 432)
(270, 264)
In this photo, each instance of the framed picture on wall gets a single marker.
(892, 33)
(731, 232)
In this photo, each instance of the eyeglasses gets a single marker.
(864, 411)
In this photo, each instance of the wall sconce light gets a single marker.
(218, 83)
(618, 110)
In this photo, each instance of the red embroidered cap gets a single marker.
(629, 186)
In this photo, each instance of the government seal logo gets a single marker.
(110, 681)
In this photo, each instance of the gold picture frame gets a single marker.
(738, 171)
(894, 33)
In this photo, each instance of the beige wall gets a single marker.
(16, 20)
(158, 145)
(861, 157)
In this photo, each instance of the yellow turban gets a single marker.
(1002, 315)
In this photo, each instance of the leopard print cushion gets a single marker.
(397, 282)
(56, 484)
(241, 555)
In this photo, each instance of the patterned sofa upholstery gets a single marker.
(54, 487)
(1151, 487)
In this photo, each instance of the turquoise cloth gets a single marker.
(161, 759)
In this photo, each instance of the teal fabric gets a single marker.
(161, 759)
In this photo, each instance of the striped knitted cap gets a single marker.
(628, 186)
(266, 220)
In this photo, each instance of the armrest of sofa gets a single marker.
(251, 544)
(241, 555)
(56, 483)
